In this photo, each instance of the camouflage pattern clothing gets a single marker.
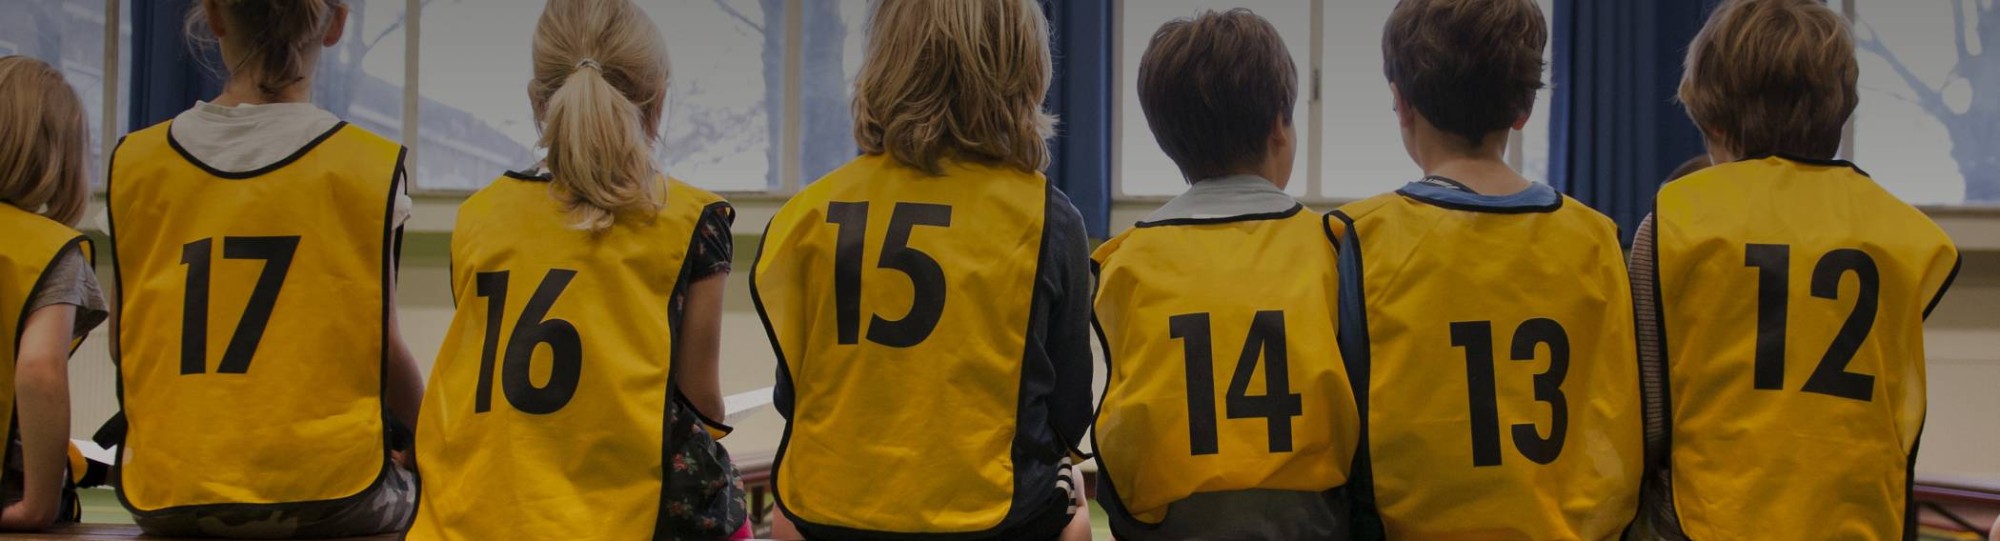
(386, 507)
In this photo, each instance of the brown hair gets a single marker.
(957, 79)
(281, 37)
(1470, 67)
(1213, 87)
(1773, 76)
(600, 78)
(46, 138)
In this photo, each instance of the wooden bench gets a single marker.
(122, 532)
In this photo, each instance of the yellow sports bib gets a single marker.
(33, 245)
(1496, 345)
(547, 411)
(1793, 295)
(899, 308)
(252, 321)
(1225, 374)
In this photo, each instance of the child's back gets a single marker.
(929, 301)
(1782, 296)
(1227, 412)
(1519, 305)
(256, 247)
(1486, 320)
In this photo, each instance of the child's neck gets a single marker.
(1484, 177)
(244, 91)
(1480, 168)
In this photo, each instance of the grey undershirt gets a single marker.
(1226, 197)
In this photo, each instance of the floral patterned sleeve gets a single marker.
(714, 244)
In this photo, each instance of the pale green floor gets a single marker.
(100, 506)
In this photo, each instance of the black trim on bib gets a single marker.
(1808, 161)
(1910, 511)
(1948, 280)
(661, 528)
(388, 280)
(1539, 209)
(261, 171)
(1364, 516)
(1296, 207)
(529, 176)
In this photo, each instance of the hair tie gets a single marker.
(589, 63)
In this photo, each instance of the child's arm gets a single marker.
(701, 347)
(406, 381)
(41, 383)
(1068, 343)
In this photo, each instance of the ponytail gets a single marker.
(600, 74)
(280, 37)
(600, 153)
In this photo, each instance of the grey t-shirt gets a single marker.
(73, 282)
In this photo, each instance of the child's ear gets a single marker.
(215, 19)
(337, 28)
(1282, 136)
(1405, 115)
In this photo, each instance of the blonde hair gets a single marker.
(1773, 76)
(956, 79)
(43, 146)
(600, 76)
(280, 38)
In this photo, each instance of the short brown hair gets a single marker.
(960, 79)
(43, 150)
(1773, 76)
(1213, 87)
(1470, 67)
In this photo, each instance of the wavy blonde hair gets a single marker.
(956, 79)
(43, 146)
(600, 82)
(1773, 76)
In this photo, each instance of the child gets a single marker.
(1783, 294)
(1232, 265)
(607, 276)
(1485, 319)
(930, 301)
(49, 298)
(261, 371)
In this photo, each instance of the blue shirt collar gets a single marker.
(1445, 192)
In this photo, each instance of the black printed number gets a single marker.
(1773, 263)
(1477, 339)
(277, 254)
(530, 331)
(1277, 406)
(926, 306)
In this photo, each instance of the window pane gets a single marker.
(1142, 168)
(834, 37)
(476, 121)
(1930, 139)
(67, 34)
(360, 79)
(1363, 151)
(1535, 136)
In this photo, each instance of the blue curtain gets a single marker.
(166, 77)
(1081, 96)
(1615, 130)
